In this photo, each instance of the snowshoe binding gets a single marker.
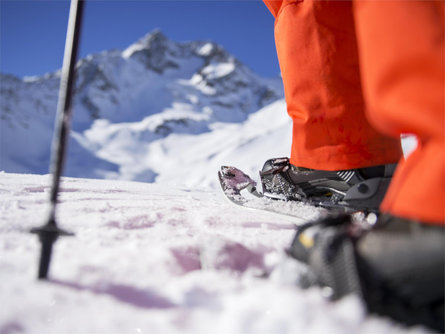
(353, 190)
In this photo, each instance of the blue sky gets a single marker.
(32, 33)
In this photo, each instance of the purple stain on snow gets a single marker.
(236, 257)
(42, 189)
(142, 298)
(114, 224)
(69, 190)
(133, 223)
(188, 258)
(137, 297)
(12, 328)
(39, 189)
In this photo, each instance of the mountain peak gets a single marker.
(154, 40)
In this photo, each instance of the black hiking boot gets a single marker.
(395, 265)
(355, 189)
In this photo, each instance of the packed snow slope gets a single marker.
(146, 258)
(145, 113)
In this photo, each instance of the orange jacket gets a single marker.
(358, 75)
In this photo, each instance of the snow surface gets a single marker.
(152, 259)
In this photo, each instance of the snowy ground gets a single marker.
(146, 259)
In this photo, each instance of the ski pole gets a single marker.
(49, 232)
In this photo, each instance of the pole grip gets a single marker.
(45, 255)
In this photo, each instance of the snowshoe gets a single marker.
(395, 265)
(354, 190)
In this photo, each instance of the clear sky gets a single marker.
(32, 33)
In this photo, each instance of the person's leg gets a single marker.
(397, 262)
(402, 59)
(317, 52)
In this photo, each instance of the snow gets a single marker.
(148, 258)
(409, 144)
(128, 52)
(219, 70)
(206, 49)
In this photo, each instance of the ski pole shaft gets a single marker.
(64, 106)
(49, 233)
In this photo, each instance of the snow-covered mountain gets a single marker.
(157, 111)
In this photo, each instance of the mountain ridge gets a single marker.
(150, 90)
